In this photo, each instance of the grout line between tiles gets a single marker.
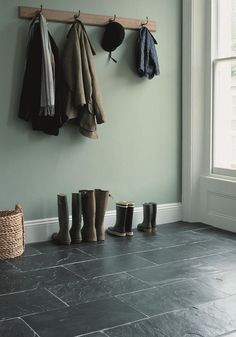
(112, 327)
(18, 292)
(36, 335)
(79, 276)
(134, 292)
(130, 305)
(57, 297)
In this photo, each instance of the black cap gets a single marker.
(113, 36)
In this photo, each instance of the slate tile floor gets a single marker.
(179, 282)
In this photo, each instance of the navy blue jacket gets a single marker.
(146, 56)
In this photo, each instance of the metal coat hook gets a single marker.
(41, 9)
(77, 15)
(145, 23)
(114, 18)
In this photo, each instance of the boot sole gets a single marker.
(116, 233)
(129, 233)
(75, 241)
(154, 229)
(145, 230)
(58, 242)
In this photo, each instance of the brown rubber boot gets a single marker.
(88, 210)
(119, 228)
(101, 206)
(75, 231)
(129, 219)
(63, 236)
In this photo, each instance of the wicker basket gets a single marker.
(12, 243)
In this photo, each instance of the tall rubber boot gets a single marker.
(75, 231)
(119, 228)
(101, 206)
(153, 216)
(63, 236)
(146, 225)
(129, 219)
(88, 210)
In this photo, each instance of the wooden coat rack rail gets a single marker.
(87, 19)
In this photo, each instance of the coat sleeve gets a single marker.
(72, 69)
(95, 101)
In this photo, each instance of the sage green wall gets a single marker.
(138, 154)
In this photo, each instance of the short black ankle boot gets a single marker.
(121, 212)
(146, 225)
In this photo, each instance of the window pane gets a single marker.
(233, 27)
(224, 120)
(226, 28)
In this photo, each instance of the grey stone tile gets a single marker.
(225, 281)
(108, 266)
(42, 261)
(175, 239)
(223, 262)
(171, 297)
(176, 227)
(28, 302)
(50, 247)
(83, 291)
(29, 250)
(6, 266)
(173, 272)
(178, 253)
(212, 232)
(95, 289)
(220, 245)
(121, 283)
(19, 281)
(232, 334)
(191, 323)
(15, 328)
(222, 309)
(82, 319)
(143, 328)
(115, 248)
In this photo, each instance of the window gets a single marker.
(224, 92)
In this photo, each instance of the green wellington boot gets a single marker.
(119, 228)
(62, 237)
(101, 206)
(153, 216)
(88, 210)
(129, 219)
(75, 231)
(146, 225)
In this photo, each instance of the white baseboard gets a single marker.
(42, 229)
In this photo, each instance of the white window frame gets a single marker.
(206, 197)
(216, 31)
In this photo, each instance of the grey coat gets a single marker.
(83, 100)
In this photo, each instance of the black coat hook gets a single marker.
(41, 9)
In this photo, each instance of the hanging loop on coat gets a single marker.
(145, 23)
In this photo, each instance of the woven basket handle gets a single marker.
(19, 209)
